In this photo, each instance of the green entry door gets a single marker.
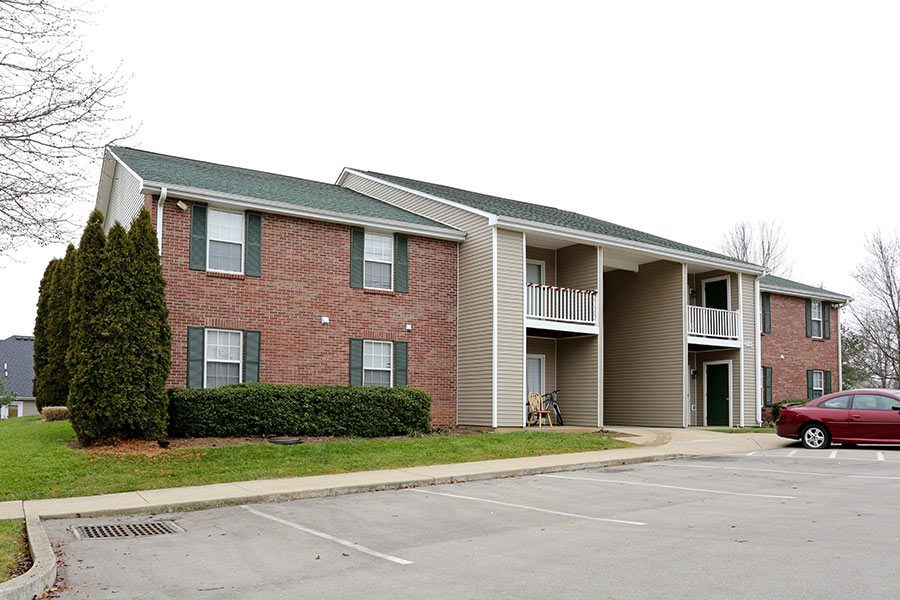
(715, 294)
(717, 394)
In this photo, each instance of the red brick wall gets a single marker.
(305, 276)
(788, 339)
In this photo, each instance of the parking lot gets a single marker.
(770, 524)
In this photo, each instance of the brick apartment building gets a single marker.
(800, 340)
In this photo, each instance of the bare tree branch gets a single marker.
(56, 116)
(761, 243)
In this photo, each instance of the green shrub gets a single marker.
(270, 409)
(55, 413)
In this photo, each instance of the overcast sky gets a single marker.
(677, 118)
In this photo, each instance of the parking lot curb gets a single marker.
(42, 574)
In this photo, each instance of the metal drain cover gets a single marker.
(125, 530)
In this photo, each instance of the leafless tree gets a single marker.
(761, 243)
(877, 310)
(56, 114)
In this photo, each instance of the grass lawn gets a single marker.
(12, 547)
(38, 463)
(746, 429)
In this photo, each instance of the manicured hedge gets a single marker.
(269, 409)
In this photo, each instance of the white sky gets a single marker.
(677, 118)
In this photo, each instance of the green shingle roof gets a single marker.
(173, 170)
(548, 215)
(773, 281)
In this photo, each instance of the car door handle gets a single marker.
(856, 416)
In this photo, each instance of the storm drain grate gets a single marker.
(125, 530)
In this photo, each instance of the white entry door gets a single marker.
(534, 373)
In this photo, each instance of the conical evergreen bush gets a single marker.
(41, 339)
(56, 373)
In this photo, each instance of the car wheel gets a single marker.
(816, 437)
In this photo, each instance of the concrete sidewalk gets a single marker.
(651, 444)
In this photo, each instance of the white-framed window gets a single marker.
(379, 261)
(535, 272)
(223, 358)
(378, 363)
(225, 241)
(816, 318)
(818, 386)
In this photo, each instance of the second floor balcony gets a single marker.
(560, 308)
(714, 324)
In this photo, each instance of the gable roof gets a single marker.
(773, 283)
(17, 364)
(172, 171)
(547, 215)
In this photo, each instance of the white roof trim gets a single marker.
(416, 192)
(802, 294)
(285, 208)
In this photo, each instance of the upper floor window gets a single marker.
(379, 261)
(816, 319)
(225, 241)
(818, 384)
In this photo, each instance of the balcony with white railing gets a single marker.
(715, 325)
(560, 308)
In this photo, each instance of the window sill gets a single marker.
(225, 275)
(379, 292)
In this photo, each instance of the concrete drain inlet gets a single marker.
(125, 530)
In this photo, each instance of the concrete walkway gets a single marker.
(651, 444)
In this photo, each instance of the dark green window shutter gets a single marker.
(251, 356)
(198, 237)
(826, 320)
(401, 360)
(767, 313)
(196, 341)
(767, 386)
(809, 385)
(357, 258)
(253, 245)
(827, 382)
(401, 263)
(356, 361)
(808, 318)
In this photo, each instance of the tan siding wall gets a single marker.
(644, 346)
(547, 347)
(576, 267)
(125, 199)
(696, 401)
(732, 354)
(751, 368)
(475, 361)
(29, 408)
(579, 391)
(510, 328)
(549, 258)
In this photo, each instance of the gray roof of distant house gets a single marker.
(17, 364)
(212, 177)
(776, 284)
(548, 215)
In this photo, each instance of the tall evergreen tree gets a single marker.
(56, 372)
(82, 358)
(150, 327)
(41, 340)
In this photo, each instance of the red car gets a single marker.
(849, 417)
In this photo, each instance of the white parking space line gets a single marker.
(807, 457)
(670, 487)
(792, 452)
(880, 456)
(778, 471)
(336, 540)
(833, 454)
(523, 507)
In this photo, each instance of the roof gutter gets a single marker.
(612, 242)
(284, 208)
(806, 294)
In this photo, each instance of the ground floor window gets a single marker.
(818, 384)
(223, 357)
(377, 363)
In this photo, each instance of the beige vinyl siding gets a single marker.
(696, 401)
(644, 346)
(751, 368)
(547, 348)
(548, 257)
(125, 198)
(579, 390)
(576, 267)
(732, 354)
(475, 313)
(510, 328)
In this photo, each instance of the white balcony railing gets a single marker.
(551, 303)
(713, 322)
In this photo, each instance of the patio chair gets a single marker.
(536, 407)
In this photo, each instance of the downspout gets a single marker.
(163, 192)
